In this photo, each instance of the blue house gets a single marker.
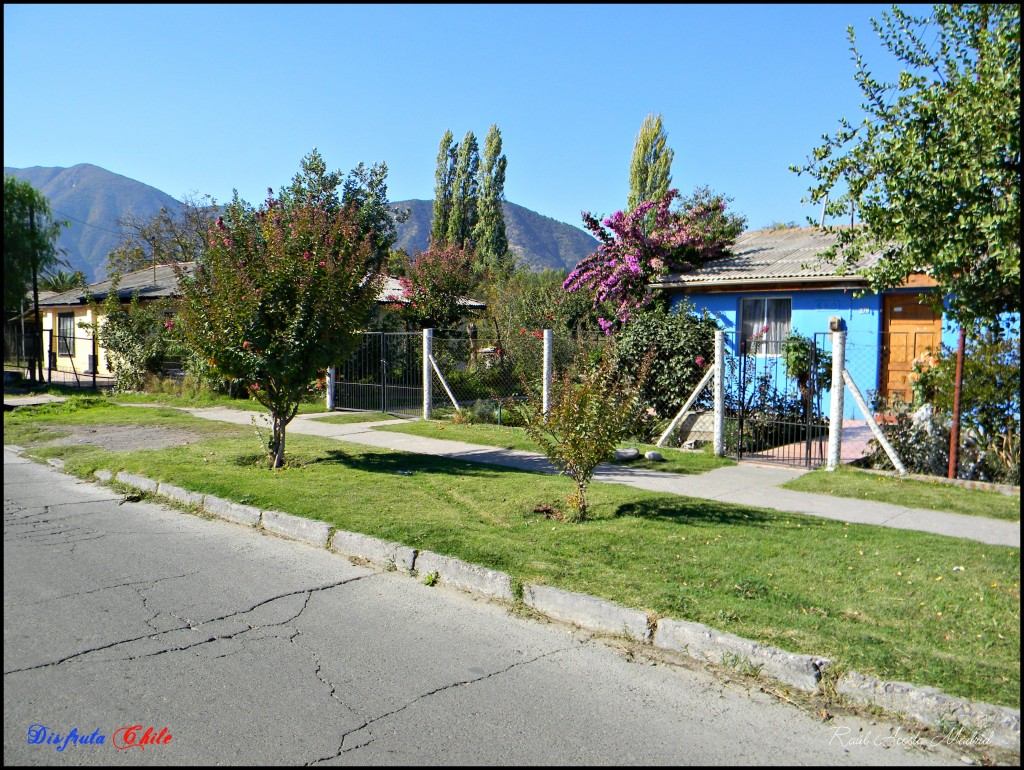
(773, 284)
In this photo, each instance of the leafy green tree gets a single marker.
(364, 189)
(30, 248)
(444, 178)
(280, 295)
(136, 338)
(165, 238)
(30, 239)
(650, 171)
(62, 280)
(465, 193)
(490, 236)
(933, 171)
(590, 411)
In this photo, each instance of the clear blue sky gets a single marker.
(207, 98)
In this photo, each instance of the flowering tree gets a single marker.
(278, 297)
(645, 244)
(433, 284)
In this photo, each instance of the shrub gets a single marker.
(589, 413)
(989, 408)
(682, 344)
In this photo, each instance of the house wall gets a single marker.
(83, 347)
(811, 311)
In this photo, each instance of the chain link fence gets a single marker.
(487, 376)
(910, 389)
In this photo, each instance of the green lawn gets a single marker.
(347, 418)
(896, 604)
(850, 482)
(676, 460)
(205, 399)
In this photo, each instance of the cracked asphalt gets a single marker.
(251, 649)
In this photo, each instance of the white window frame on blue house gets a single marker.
(778, 320)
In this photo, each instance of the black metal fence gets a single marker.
(383, 374)
(66, 360)
(773, 405)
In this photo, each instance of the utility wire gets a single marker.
(87, 224)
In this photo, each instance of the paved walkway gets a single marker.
(742, 484)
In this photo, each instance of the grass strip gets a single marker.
(850, 482)
(895, 604)
(348, 418)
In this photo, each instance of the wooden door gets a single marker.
(910, 327)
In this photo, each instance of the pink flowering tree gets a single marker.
(279, 296)
(647, 243)
(433, 285)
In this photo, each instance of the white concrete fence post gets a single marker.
(546, 389)
(332, 374)
(428, 374)
(719, 385)
(835, 418)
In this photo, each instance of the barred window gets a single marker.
(66, 334)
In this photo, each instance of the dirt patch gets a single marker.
(123, 438)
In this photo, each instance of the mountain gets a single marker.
(540, 241)
(93, 199)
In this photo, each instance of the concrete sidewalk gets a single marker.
(742, 484)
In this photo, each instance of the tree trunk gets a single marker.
(278, 449)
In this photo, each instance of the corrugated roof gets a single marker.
(769, 256)
(150, 283)
(393, 292)
(162, 281)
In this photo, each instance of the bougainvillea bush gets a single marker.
(645, 244)
(280, 295)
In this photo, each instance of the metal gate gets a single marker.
(773, 412)
(383, 374)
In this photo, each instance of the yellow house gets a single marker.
(71, 352)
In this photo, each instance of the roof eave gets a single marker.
(838, 282)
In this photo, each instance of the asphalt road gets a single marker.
(241, 648)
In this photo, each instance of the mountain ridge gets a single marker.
(94, 199)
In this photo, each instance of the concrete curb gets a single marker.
(307, 530)
(240, 514)
(588, 612)
(984, 723)
(699, 641)
(179, 494)
(387, 555)
(468, 577)
(139, 482)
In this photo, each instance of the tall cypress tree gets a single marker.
(490, 236)
(650, 170)
(465, 193)
(443, 192)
